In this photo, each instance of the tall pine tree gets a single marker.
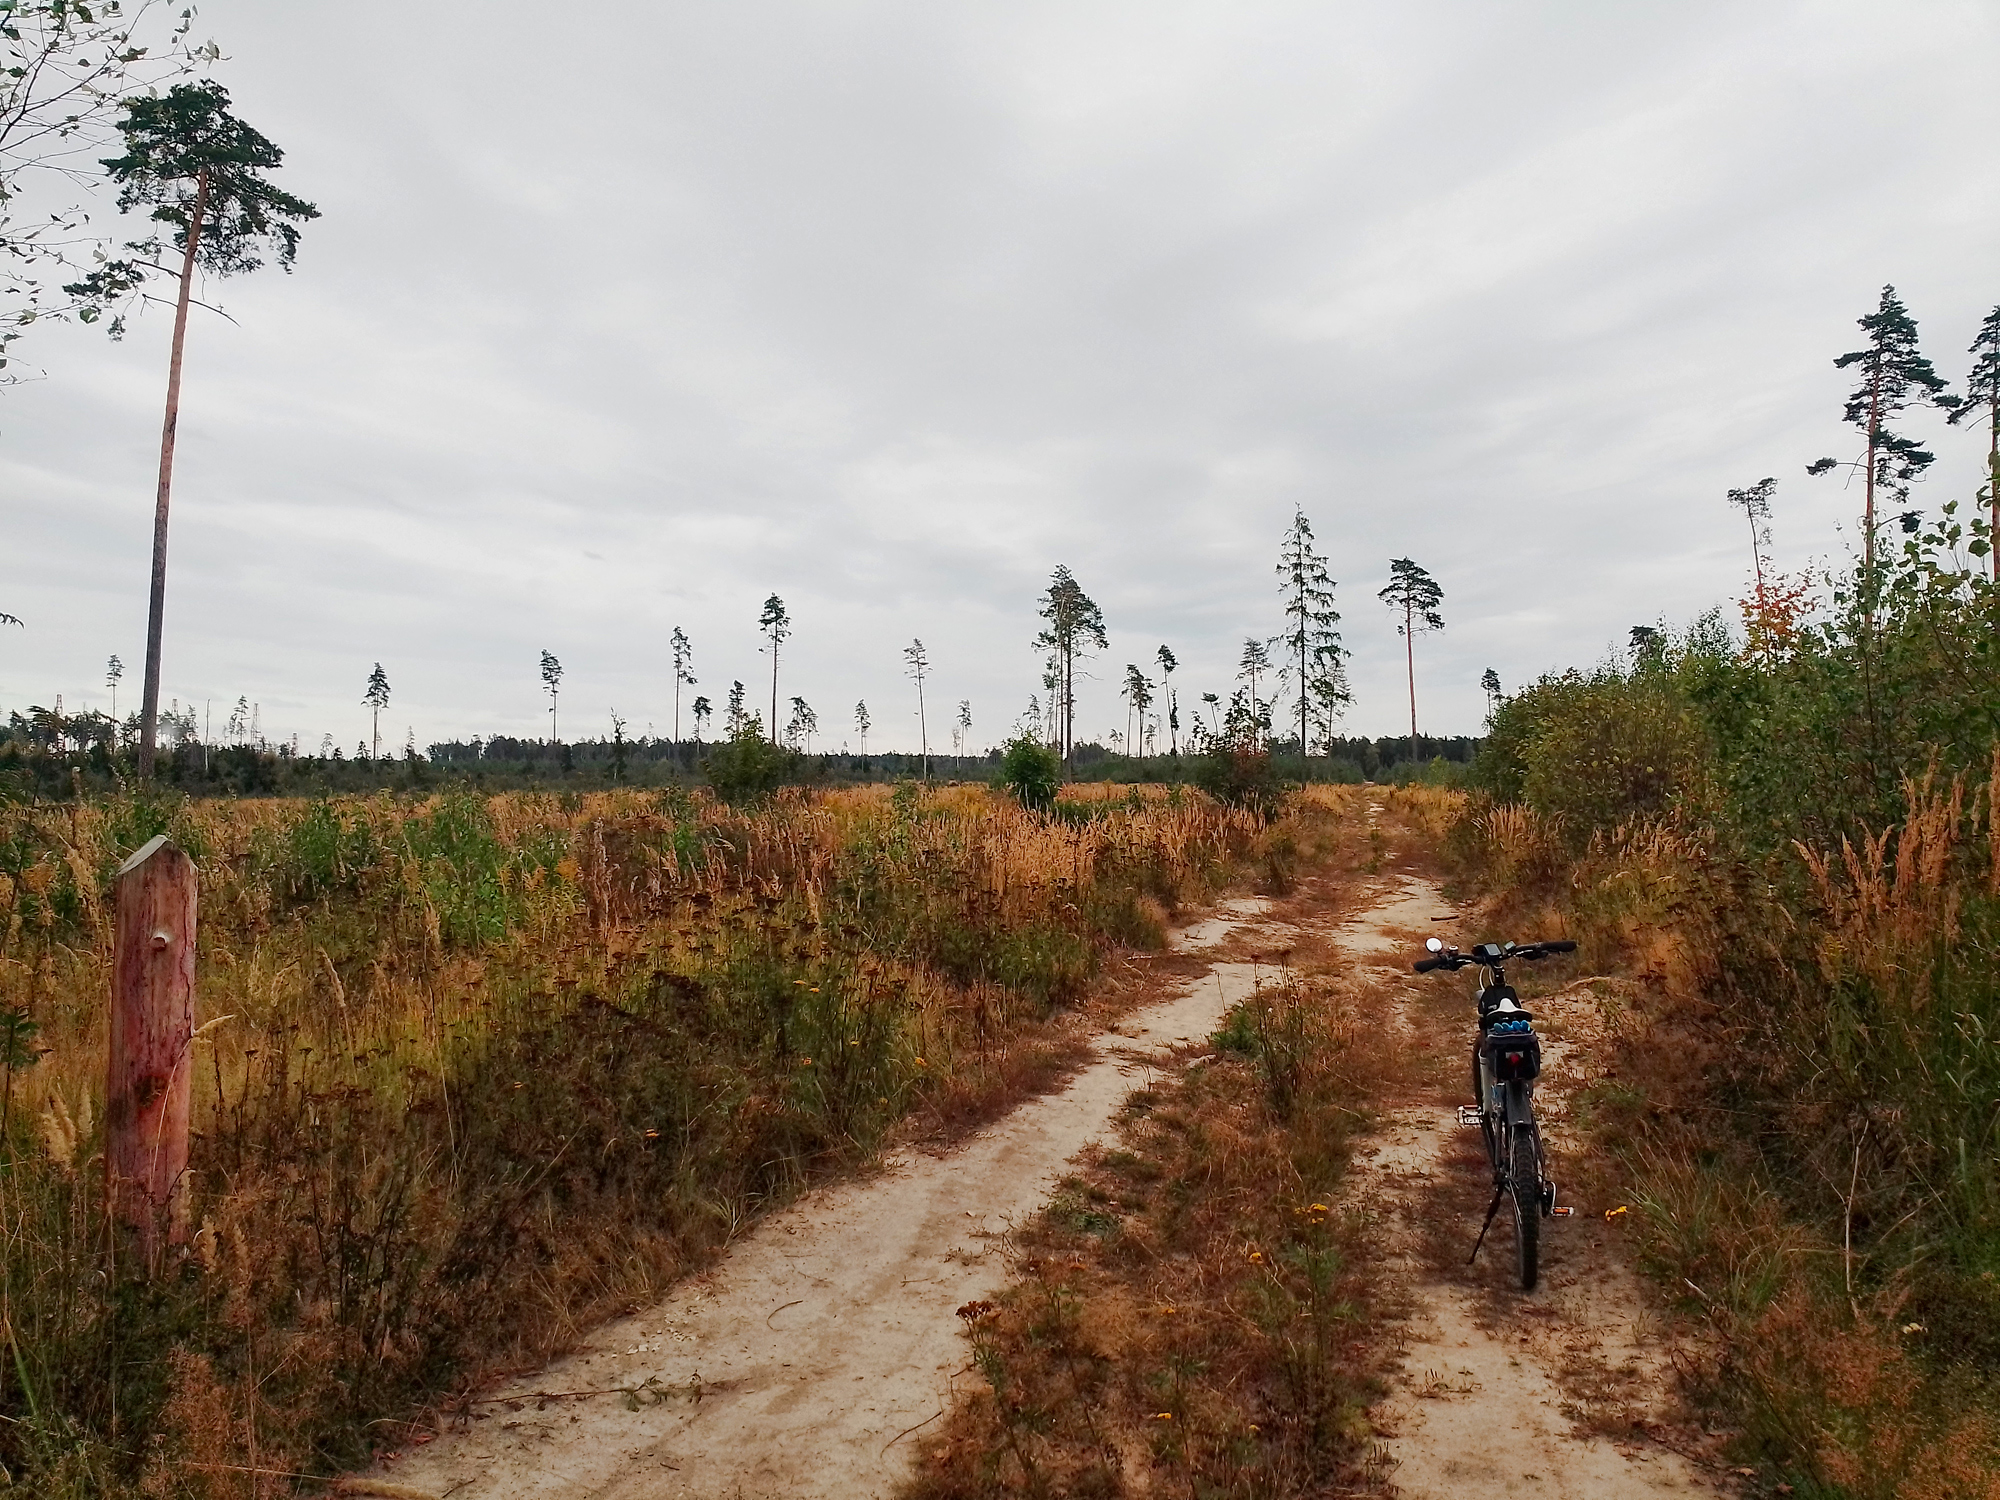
(1252, 667)
(1169, 664)
(1417, 595)
(1894, 376)
(1982, 396)
(1138, 695)
(917, 667)
(552, 675)
(376, 699)
(1312, 630)
(201, 170)
(776, 625)
(683, 655)
(1755, 503)
(1075, 628)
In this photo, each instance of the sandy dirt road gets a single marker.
(810, 1361)
(802, 1364)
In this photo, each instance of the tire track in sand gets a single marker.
(1491, 1375)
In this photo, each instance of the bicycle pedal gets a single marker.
(1562, 1213)
(1471, 1114)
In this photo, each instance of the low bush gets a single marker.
(746, 768)
(1792, 844)
(1240, 775)
(1031, 772)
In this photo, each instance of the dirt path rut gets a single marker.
(1558, 1393)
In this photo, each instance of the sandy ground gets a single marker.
(827, 1336)
(1493, 1379)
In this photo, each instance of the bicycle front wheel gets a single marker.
(1525, 1181)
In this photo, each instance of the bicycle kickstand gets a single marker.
(1493, 1209)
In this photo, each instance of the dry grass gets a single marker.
(494, 1067)
(1798, 1099)
(1194, 1313)
(1429, 813)
(1115, 791)
(1190, 1313)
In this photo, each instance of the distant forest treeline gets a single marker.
(51, 755)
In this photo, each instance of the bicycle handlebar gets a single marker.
(1493, 953)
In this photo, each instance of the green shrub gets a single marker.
(1031, 771)
(1592, 751)
(747, 768)
(1240, 775)
(1808, 869)
(1611, 751)
(464, 868)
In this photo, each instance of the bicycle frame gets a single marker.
(1505, 1111)
(1504, 1107)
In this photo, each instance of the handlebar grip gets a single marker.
(1425, 965)
(1560, 945)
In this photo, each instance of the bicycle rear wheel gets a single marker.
(1525, 1179)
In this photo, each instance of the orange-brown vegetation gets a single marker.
(1192, 1313)
(477, 1071)
(1788, 1102)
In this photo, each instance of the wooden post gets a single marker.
(152, 1029)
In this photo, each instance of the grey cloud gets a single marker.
(891, 307)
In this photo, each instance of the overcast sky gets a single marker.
(622, 317)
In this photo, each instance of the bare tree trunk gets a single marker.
(1410, 651)
(1069, 711)
(1868, 511)
(774, 690)
(1305, 764)
(156, 610)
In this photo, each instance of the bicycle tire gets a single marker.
(1525, 1180)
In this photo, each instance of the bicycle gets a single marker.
(1506, 1061)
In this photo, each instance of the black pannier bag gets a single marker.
(1512, 1056)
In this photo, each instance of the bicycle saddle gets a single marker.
(1502, 1007)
